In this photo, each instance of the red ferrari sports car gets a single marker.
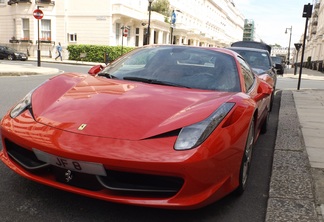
(162, 126)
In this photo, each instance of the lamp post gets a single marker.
(149, 22)
(290, 29)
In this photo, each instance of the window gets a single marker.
(25, 27)
(117, 32)
(72, 37)
(46, 29)
(247, 74)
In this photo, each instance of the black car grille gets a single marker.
(118, 182)
(24, 157)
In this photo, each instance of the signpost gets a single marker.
(307, 13)
(173, 21)
(124, 34)
(297, 46)
(38, 14)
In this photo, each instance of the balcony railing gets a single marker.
(45, 41)
(10, 2)
(47, 2)
(22, 40)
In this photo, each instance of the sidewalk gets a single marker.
(297, 182)
(24, 69)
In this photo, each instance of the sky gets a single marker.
(272, 17)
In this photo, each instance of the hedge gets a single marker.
(96, 53)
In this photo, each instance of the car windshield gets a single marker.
(11, 49)
(256, 59)
(277, 60)
(189, 67)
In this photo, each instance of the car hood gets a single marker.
(259, 71)
(120, 109)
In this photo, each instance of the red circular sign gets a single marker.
(38, 14)
(125, 32)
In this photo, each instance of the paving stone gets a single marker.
(291, 210)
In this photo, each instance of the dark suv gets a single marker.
(280, 64)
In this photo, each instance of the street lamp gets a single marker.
(290, 29)
(149, 22)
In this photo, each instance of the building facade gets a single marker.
(248, 32)
(211, 23)
(314, 47)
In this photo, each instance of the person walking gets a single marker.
(59, 51)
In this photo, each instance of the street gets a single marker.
(24, 200)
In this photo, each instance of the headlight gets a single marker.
(23, 105)
(193, 135)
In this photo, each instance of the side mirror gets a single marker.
(95, 69)
(264, 90)
(277, 66)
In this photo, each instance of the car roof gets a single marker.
(222, 50)
(252, 44)
(248, 49)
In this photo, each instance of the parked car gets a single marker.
(257, 54)
(12, 54)
(279, 64)
(162, 126)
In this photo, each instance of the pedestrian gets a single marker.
(59, 51)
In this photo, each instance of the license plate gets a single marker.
(70, 164)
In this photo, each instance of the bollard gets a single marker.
(106, 58)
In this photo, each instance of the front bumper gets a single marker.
(148, 173)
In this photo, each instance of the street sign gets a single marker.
(173, 17)
(297, 46)
(38, 14)
(307, 13)
(125, 32)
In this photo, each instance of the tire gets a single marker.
(10, 57)
(246, 160)
(271, 100)
(264, 127)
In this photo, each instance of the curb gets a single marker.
(24, 70)
(291, 194)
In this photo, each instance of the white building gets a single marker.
(314, 46)
(214, 23)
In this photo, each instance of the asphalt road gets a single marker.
(24, 200)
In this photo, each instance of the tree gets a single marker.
(276, 46)
(162, 7)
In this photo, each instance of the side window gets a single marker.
(247, 74)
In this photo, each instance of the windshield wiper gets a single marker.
(107, 75)
(153, 81)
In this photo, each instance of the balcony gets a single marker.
(22, 40)
(45, 41)
(44, 2)
(10, 2)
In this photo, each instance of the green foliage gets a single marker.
(95, 53)
(162, 7)
(276, 46)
